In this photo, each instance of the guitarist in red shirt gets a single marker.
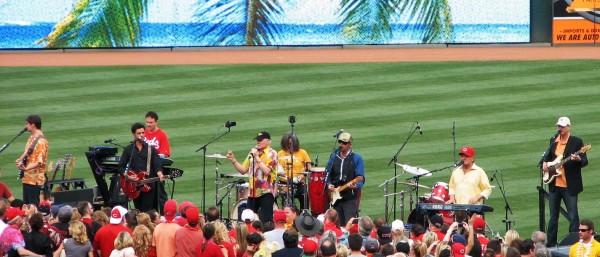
(139, 162)
(568, 185)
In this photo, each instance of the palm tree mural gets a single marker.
(99, 23)
(240, 22)
(116, 23)
(369, 21)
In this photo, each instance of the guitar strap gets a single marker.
(148, 161)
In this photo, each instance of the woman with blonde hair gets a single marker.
(241, 231)
(341, 250)
(510, 236)
(144, 219)
(78, 245)
(142, 242)
(123, 246)
(418, 249)
(222, 239)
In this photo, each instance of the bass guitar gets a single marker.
(132, 188)
(335, 194)
(554, 166)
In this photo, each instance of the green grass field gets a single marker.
(506, 110)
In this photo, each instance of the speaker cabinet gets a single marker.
(72, 197)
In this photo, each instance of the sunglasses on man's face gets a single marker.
(583, 230)
(342, 142)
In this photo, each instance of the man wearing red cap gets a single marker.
(190, 235)
(468, 184)
(567, 186)
(104, 240)
(11, 238)
(164, 233)
(276, 235)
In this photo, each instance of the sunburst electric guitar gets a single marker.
(554, 166)
(335, 194)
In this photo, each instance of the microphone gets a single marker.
(240, 181)
(494, 176)
(138, 139)
(419, 128)
(317, 161)
(557, 133)
(230, 123)
(250, 153)
(110, 140)
(292, 119)
(338, 133)
(23, 131)
(458, 163)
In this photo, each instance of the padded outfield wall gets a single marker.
(204, 23)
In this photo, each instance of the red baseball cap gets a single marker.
(14, 212)
(310, 246)
(170, 210)
(458, 250)
(467, 151)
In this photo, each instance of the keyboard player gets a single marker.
(469, 183)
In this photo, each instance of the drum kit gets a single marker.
(241, 189)
(439, 194)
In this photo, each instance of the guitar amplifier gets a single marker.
(72, 197)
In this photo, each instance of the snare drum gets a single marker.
(243, 190)
(440, 193)
(316, 191)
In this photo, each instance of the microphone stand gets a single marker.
(395, 160)
(8, 144)
(113, 143)
(541, 189)
(203, 148)
(416, 178)
(507, 209)
(328, 170)
(290, 182)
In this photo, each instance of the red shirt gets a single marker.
(159, 140)
(331, 226)
(105, 238)
(210, 250)
(4, 191)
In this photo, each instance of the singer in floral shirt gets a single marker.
(260, 165)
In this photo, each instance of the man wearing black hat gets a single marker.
(261, 165)
(345, 168)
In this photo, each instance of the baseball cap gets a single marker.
(192, 214)
(279, 216)
(13, 212)
(371, 245)
(247, 215)
(458, 250)
(384, 233)
(54, 210)
(479, 224)
(563, 121)
(345, 137)
(44, 208)
(467, 151)
(310, 246)
(170, 210)
(397, 225)
(116, 214)
(262, 135)
(457, 238)
(436, 220)
(183, 205)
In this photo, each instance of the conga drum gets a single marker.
(316, 191)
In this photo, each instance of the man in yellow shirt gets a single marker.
(468, 184)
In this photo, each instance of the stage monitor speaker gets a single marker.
(72, 197)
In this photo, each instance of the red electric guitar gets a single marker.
(132, 188)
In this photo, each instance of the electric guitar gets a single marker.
(553, 172)
(132, 188)
(335, 194)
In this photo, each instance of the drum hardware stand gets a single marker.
(542, 194)
(229, 186)
(218, 180)
(228, 125)
(394, 159)
(415, 179)
(507, 209)
(386, 194)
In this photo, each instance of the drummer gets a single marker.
(468, 184)
(294, 170)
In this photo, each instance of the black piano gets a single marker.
(425, 208)
(104, 160)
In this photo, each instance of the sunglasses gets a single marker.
(583, 230)
(342, 142)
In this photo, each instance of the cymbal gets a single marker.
(218, 156)
(234, 175)
(413, 185)
(414, 170)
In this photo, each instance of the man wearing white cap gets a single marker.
(345, 167)
(104, 240)
(568, 184)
